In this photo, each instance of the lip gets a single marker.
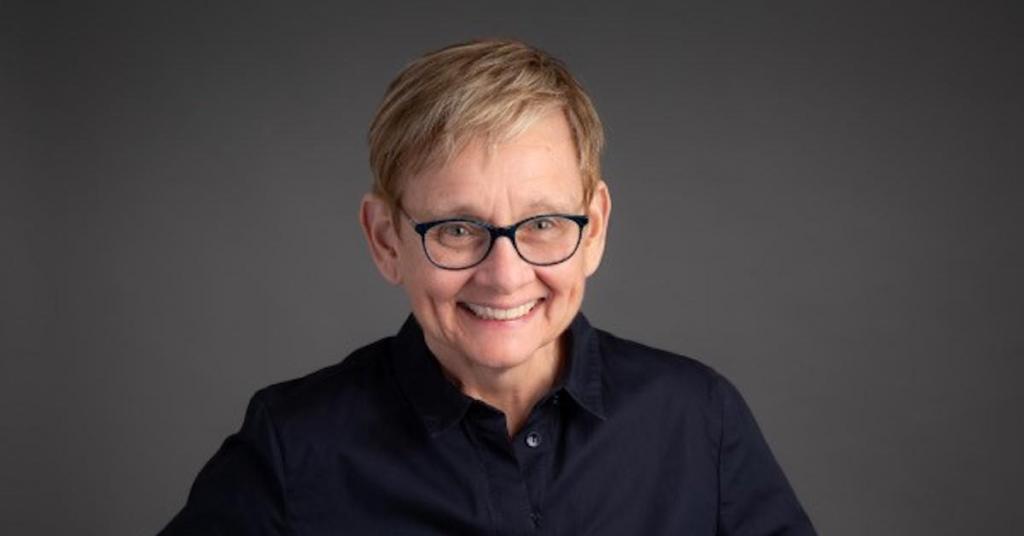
(498, 306)
(464, 309)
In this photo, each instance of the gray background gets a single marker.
(821, 200)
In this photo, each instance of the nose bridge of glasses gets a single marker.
(508, 232)
(498, 232)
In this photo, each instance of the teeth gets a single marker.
(489, 313)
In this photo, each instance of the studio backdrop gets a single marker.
(822, 201)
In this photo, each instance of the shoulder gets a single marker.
(630, 357)
(332, 392)
(634, 369)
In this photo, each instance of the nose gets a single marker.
(504, 270)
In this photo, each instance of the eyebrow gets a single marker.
(462, 210)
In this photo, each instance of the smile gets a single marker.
(491, 313)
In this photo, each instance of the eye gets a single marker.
(455, 229)
(542, 224)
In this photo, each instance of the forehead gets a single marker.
(534, 171)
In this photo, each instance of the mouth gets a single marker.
(485, 312)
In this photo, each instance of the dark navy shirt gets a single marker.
(630, 440)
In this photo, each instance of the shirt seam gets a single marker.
(717, 388)
(281, 463)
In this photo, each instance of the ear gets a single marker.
(381, 236)
(597, 230)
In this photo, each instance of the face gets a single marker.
(503, 312)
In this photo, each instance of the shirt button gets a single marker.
(554, 399)
(533, 440)
(535, 517)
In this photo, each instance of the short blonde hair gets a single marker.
(489, 88)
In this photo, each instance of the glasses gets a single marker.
(460, 243)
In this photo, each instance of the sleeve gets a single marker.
(755, 499)
(241, 490)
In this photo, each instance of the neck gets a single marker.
(512, 390)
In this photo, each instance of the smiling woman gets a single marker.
(497, 408)
(502, 358)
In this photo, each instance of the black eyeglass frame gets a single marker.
(508, 231)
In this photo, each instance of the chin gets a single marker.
(501, 356)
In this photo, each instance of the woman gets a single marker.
(497, 408)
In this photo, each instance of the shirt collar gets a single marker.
(439, 402)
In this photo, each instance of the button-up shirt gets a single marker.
(630, 440)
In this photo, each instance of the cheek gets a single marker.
(438, 287)
(420, 279)
(565, 283)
